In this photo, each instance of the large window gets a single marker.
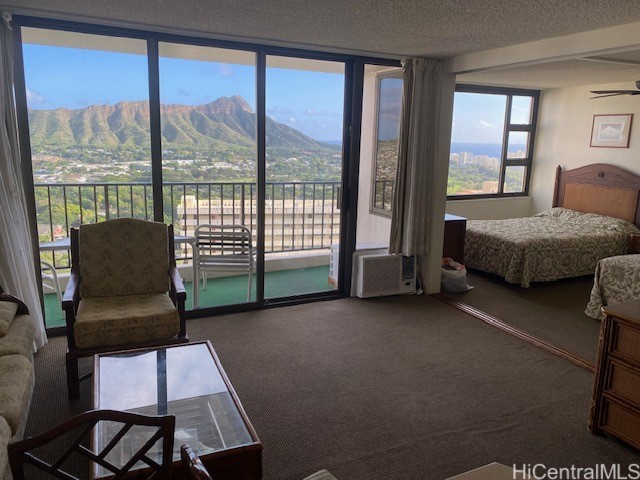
(88, 103)
(491, 141)
(189, 131)
(389, 105)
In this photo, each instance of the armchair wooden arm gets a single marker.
(178, 295)
(177, 285)
(71, 295)
(70, 302)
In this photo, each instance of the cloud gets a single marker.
(312, 112)
(34, 98)
(226, 70)
(484, 125)
(183, 93)
(292, 120)
(277, 110)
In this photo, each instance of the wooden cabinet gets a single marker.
(615, 407)
(455, 229)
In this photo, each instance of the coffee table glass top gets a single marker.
(182, 380)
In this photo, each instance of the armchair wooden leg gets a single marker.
(73, 380)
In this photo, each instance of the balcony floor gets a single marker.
(231, 290)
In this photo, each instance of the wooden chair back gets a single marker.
(22, 452)
(195, 468)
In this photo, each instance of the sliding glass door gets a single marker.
(304, 125)
(208, 134)
(130, 123)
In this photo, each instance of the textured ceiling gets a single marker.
(386, 28)
(559, 74)
(432, 28)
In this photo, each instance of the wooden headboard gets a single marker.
(599, 188)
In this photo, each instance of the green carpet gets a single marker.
(231, 290)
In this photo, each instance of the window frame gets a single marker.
(396, 73)
(505, 162)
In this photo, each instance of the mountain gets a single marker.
(225, 121)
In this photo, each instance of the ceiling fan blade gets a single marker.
(609, 95)
(616, 92)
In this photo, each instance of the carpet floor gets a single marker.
(389, 388)
(551, 311)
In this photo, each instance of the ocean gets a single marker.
(490, 149)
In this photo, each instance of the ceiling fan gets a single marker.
(613, 93)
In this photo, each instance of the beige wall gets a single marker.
(564, 132)
(491, 208)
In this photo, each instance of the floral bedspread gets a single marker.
(555, 244)
(616, 280)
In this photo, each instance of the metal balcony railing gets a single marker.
(383, 194)
(298, 215)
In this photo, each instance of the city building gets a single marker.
(290, 225)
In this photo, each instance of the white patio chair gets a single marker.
(51, 280)
(222, 248)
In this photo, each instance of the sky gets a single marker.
(480, 118)
(311, 102)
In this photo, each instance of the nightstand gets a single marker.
(634, 243)
(455, 229)
(615, 406)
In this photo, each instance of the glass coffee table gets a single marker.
(185, 380)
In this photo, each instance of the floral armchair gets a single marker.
(124, 291)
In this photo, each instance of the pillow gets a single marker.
(22, 308)
(594, 220)
(608, 223)
(7, 314)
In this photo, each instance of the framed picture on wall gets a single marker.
(611, 130)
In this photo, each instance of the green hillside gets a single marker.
(201, 143)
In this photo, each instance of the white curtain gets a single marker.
(17, 270)
(411, 215)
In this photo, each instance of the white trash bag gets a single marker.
(454, 277)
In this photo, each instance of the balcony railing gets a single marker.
(383, 195)
(298, 215)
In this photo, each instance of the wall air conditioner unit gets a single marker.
(385, 274)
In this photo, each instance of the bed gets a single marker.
(616, 280)
(595, 210)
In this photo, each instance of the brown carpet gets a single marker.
(392, 388)
(551, 311)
